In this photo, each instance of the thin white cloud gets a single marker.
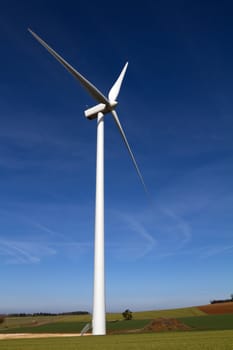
(138, 227)
(157, 233)
(134, 247)
(38, 241)
(44, 228)
(182, 226)
(34, 224)
(32, 252)
(23, 252)
(210, 251)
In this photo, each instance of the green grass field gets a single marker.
(215, 322)
(173, 313)
(15, 322)
(181, 312)
(76, 327)
(209, 340)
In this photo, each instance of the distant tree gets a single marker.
(127, 314)
(2, 319)
(232, 296)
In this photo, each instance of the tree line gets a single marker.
(24, 314)
(222, 300)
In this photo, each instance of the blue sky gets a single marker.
(176, 108)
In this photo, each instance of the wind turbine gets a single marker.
(105, 105)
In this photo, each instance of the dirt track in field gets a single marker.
(217, 309)
(38, 335)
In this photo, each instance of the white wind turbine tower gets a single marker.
(98, 112)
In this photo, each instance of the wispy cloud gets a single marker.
(210, 251)
(38, 242)
(38, 144)
(155, 233)
(136, 227)
(182, 227)
(24, 252)
(43, 228)
(32, 223)
(32, 252)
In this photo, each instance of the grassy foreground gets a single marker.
(209, 340)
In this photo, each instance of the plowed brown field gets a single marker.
(216, 309)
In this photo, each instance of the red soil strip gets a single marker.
(217, 309)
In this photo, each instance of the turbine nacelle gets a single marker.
(92, 113)
(106, 104)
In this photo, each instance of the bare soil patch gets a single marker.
(217, 309)
(166, 324)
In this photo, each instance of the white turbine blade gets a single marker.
(129, 149)
(93, 91)
(114, 92)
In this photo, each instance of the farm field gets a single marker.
(172, 313)
(209, 322)
(209, 340)
(76, 327)
(36, 321)
(221, 308)
(192, 317)
(15, 322)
